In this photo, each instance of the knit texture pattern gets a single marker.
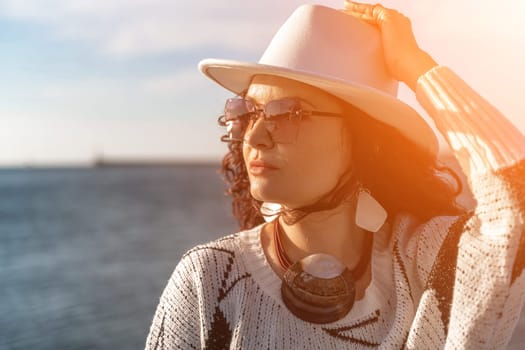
(450, 282)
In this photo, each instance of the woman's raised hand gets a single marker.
(404, 59)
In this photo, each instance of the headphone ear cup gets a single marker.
(369, 214)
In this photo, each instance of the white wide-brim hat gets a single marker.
(334, 52)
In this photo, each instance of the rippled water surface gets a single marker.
(85, 253)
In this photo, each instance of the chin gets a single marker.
(266, 197)
(267, 193)
(274, 196)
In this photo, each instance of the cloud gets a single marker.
(86, 89)
(151, 36)
(189, 80)
(150, 27)
(184, 82)
(146, 27)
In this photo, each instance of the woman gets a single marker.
(364, 245)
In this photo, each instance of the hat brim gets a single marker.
(236, 77)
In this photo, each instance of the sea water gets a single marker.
(85, 253)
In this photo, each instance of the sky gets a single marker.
(118, 78)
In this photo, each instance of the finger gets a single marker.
(363, 7)
(358, 7)
(364, 17)
(376, 11)
(373, 14)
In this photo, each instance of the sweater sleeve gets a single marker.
(176, 321)
(486, 285)
(481, 138)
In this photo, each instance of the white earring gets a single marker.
(369, 214)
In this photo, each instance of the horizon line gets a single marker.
(112, 162)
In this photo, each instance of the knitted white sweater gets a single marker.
(450, 282)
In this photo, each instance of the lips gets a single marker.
(261, 164)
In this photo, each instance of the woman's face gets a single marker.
(299, 173)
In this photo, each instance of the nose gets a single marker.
(258, 136)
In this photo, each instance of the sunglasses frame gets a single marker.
(298, 113)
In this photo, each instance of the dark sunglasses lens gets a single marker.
(279, 121)
(279, 109)
(236, 117)
(237, 108)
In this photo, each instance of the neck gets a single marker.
(331, 232)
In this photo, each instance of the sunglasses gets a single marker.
(280, 118)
